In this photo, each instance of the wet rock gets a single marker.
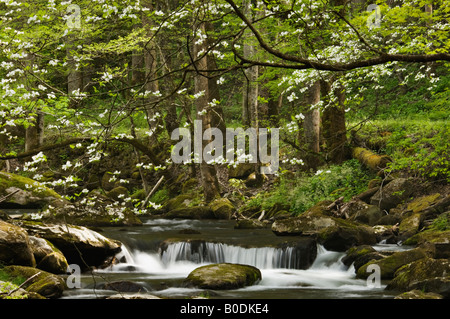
(417, 294)
(356, 252)
(48, 257)
(223, 276)
(389, 265)
(222, 208)
(307, 223)
(341, 238)
(15, 248)
(79, 244)
(427, 274)
(45, 284)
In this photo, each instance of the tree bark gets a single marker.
(311, 125)
(208, 172)
(334, 128)
(34, 134)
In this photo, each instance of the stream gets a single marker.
(161, 272)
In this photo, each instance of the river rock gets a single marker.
(222, 208)
(307, 223)
(394, 193)
(79, 244)
(48, 257)
(45, 284)
(427, 274)
(356, 252)
(417, 294)
(27, 193)
(341, 238)
(223, 276)
(389, 265)
(15, 248)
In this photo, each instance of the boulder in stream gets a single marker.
(223, 276)
(79, 244)
(15, 248)
(45, 284)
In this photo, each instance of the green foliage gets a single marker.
(425, 153)
(304, 191)
(442, 222)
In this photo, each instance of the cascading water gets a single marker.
(206, 252)
(283, 269)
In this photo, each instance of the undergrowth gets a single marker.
(302, 191)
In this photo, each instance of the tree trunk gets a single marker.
(334, 128)
(208, 172)
(34, 135)
(311, 125)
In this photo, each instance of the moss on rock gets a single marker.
(223, 276)
(45, 284)
(222, 208)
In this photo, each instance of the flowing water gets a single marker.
(161, 269)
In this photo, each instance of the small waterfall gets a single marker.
(207, 252)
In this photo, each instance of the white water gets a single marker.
(276, 265)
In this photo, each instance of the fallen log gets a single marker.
(370, 159)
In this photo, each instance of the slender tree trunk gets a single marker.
(334, 128)
(34, 134)
(208, 172)
(311, 125)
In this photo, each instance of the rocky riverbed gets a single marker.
(36, 248)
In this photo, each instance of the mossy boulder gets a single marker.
(45, 284)
(410, 225)
(342, 237)
(79, 244)
(178, 202)
(418, 294)
(419, 204)
(241, 171)
(310, 222)
(27, 193)
(394, 193)
(222, 208)
(389, 265)
(356, 252)
(369, 216)
(334, 233)
(223, 276)
(48, 257)
(189, 186)
(118, 193)
(440, 240)
(15, 248)
(426, 274)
